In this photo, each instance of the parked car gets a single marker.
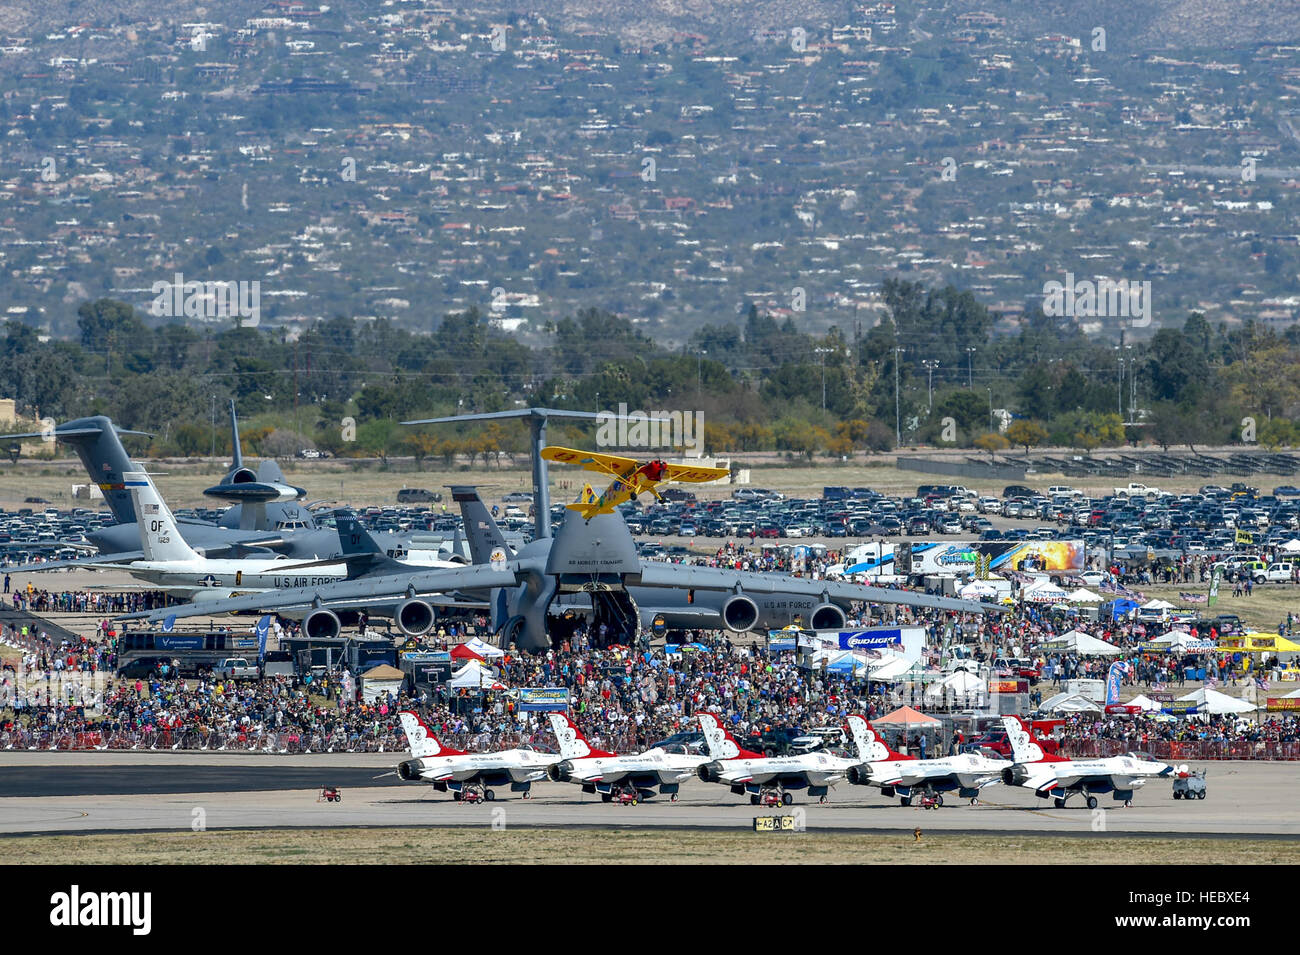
(417, 495)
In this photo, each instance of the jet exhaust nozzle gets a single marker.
(709, 772)
(560, 772)
(409, 770)
(1014, 775)
(859, 775)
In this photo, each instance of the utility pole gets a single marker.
(990, 388)
(1119, 385)
(970, 374)
(1133, 390)
(930, 365)
(898, 414)
(213, 452)
(699, 375)
(821, 354)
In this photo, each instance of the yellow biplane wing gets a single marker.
(691, 474)
(590, 461)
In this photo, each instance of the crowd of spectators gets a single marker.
(624, 697)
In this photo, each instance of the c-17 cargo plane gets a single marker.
(590, 567)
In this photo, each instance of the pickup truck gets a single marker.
(1137, 490)
(236, 668)
(1281, 573)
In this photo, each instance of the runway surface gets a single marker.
(99, 792)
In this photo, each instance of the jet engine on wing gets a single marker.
(322, 623)
(414, 617)
(740, 613)
(827, 616)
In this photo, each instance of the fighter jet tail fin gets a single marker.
(719, 742)
(1024, 748)
(870, 745)
(573, 745)
(420, 739)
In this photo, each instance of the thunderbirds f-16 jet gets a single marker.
(1060, 778)
(631, 477)
(450, 770)
(900, 775)
(746, 772)
(651, 772)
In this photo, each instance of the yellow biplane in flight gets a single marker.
(631, 477)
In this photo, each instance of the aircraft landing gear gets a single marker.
(974, 800)
(1092, 802)
(673, 797)
(1128, 803)
(905, 800)
(1059, 802)
(528, 794)
(821, 799)
(489, 795)
(787, 799)
(606, 797)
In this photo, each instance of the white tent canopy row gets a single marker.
(959, 684)
(475, 676)
(1216, 703)
(485, 650)
(1085, 644)
(1146, 704)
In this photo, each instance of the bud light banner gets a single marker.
(869, 639)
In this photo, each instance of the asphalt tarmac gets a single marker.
(105, 792)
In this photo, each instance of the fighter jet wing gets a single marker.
(345, 594)
(687, 577)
